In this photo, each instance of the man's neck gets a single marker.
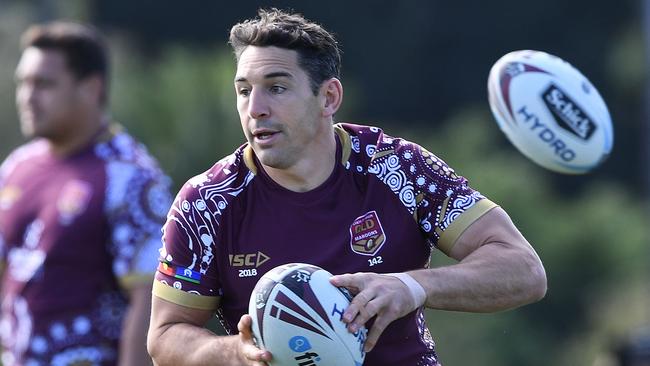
(83, 135)
(310, 173)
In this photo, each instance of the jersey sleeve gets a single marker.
(137, 202)
(442, 202)
(8, 194)
(187, 274)
(445, 204)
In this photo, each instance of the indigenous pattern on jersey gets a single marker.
(75, 233)
(383, 209)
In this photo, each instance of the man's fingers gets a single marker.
(255, 354)
(365, 312)
(350, 281)
(244, 327)
(382, 297)
(248, 348)
(377, 329)
(357, 308)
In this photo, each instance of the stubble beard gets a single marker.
(276, 159)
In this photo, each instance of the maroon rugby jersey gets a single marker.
(384, 207)
(73, 231)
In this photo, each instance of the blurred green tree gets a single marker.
(182, 107)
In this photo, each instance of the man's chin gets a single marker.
(28, 131)
(31, 132)
(272, 160)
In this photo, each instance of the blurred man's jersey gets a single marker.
(75, 232)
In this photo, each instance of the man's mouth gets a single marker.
(264, 135)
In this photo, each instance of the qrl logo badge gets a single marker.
(366, 234)
(73, 200)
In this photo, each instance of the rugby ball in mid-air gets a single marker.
(550, 111)
(297, 315)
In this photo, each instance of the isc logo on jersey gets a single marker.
(550, 111)
(249, 260)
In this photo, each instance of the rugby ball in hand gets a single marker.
(550, 111)
(297, 315)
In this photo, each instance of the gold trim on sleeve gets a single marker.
(461, 223)
(183, 298)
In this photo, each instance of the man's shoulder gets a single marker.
(33, 148)
(23, 153)
(225, 179)
(382, 155)
(117, 147)
(369, 143)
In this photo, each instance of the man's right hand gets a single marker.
(177, 336)
(247, 348)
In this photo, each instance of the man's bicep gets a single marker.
(495, 226)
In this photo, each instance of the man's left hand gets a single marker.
(384, 296)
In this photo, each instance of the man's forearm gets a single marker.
(189, 345)
(492, 278)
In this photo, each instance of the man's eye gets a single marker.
(243, 91)
(277, 89)
(44, 83)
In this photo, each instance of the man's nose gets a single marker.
(25, 94)
(258, 106)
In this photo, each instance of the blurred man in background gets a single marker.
(81, 207)
(345, 197)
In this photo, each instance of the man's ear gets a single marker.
(332, 91)
(92, 89)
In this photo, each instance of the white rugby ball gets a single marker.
(297, 314)
(550, 111)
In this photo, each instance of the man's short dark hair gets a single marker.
(83, 47)
(318, 51)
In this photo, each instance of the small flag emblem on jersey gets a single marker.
(366, 234)
(179, 272)
(188, 275)
(166, 269)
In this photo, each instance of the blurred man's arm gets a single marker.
(133, 343)
(177, 337)
(497, 270)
